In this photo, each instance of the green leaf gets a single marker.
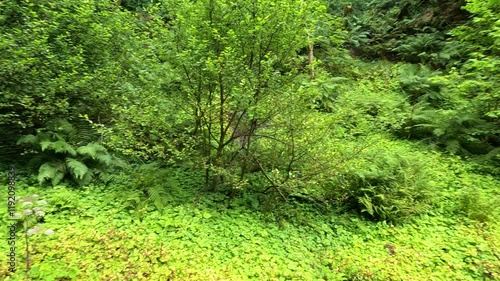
(91, 150)
(46, 144)
(61, 146)
(57, 177)
(53, 171)
(28, 139)
(104, 158)
(46, 171)
(77, 168)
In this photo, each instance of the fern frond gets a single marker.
(86, 151)
(60, 125)
(51, 171)
(83, 132)
(103, 157)
(119, 163)
(157, 196)
(453, 146)
(91, 150)
(58, 177)
(46, 144)
(46, 171)
(494, 152)
(367, 202)
(132, 200)
(86, 179)
(106, 177)
(61, 146)
(77, 168)
(28, 139)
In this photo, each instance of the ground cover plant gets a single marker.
(249, 140)
(200, 239)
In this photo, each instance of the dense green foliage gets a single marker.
(252, 140)
(61, 149)
(98, 239)
(62, 60)
(452, 79)
(415, 31)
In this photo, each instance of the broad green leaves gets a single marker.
(191, 243)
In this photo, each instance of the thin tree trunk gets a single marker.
(311, 57)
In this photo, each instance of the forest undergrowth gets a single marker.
(116, 232)
(250, 140)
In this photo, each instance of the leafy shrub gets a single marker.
(478, 197)
(459, 110)
(372, 105)
(70, 60)
(415, 81)
(150, 184)
(458, 132)
(389, 183)
(410, 30)
(442, 115)
(429, 47)
(475, 206)
(63, 200)
(61, 153)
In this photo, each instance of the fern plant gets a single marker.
(148, 185)
(456, 131)
(390, 185)
(415, 81)
(60, 154)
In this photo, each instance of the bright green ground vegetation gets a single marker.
(100, 234)
(251, 140)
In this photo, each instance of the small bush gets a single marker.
(61, 151)
(152, 184)
(479, 201)
(385, 184)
